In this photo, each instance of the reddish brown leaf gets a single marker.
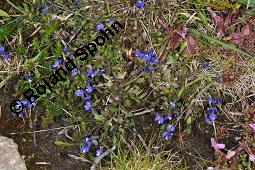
(219, 21)
(228, 19)
(246, 30)
(237, 38)
(251, 38)
(190, 44)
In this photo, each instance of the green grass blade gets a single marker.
(214, 40)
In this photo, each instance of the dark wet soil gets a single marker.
(38, 149)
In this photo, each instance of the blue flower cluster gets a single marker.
(210, 115)
(148, 56)
(87, 143)
(26, 103)
(169, 132)
(57, 62)
(6, 57)
(87, 90)
(160, 119)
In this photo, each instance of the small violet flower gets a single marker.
(74, 72)
(28, 76)
(90, 73)
(211, 100)
(139, 4)
(212, 117)
(211, 109)
(168, 134)
(1, 48)
(44, 11)
(86, 147)
(56, 63)
(171, 105)
(87, 105)
(207, 66)
(148, 69)
(99, 27)
(168, 117)
(87, 97)
(99, 152)
(88, 89)
(159, 119)
(79, 92)
(171, 128)
(6, 57)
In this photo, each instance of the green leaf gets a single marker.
(189, 120)
(37, 73)
(99, 117)
(61, 143)
(4, 14)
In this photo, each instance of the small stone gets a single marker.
(10, 157)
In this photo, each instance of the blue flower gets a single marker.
(84, 149)
(139, 4)
(151, 52)
(88, 89)
(137, 53)
(170, 128)
(44, 11)
(99, 27)
(56, 63)
(90, 73)
(27, 103)
(148, 69)
(153, 60)
(28, 76)
(102, 71)
(211, 109)
(74, 72)
(211, 100)
(111, 22)
(207, 120)
(1, 48)
(87, 97)
(147, 57)
(159, 119)
(167, 135)
(87, 105)
(168, 117)
(171, 105)
(39, 6)
(212, 117)
(66, 49)
(6, 57)
(86, 145)
(79, 92)
(207, 66)
(99, 152)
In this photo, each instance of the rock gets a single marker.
(10, 158)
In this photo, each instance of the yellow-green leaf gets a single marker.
(3, 13)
